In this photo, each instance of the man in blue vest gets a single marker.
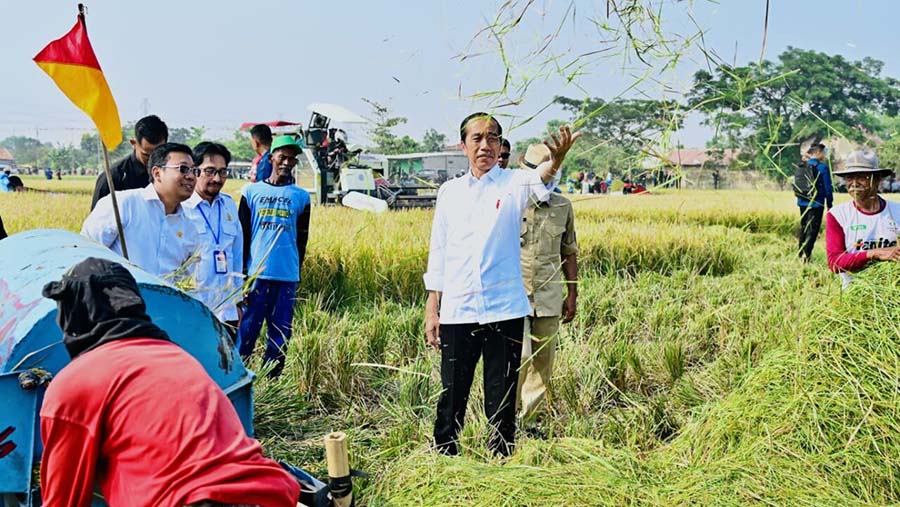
(274, 215)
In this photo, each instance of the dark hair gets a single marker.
(815, 148)
(504, 143)
(160, 155)
(262, 133)
(465, 123)
(152, 129)
(207, 148)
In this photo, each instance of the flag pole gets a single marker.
(115, 203)
(109, 178)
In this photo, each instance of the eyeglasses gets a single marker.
(212, 171)
(504, 156)
(184, 169)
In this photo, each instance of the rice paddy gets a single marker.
(706, 365)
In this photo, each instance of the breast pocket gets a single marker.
(229, 232)
(551, 240)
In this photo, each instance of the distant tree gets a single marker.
(90, 146)
(239, 146)
(382, 134)
(27, 150)
(770, 107)
(433, 140)
(889, 154)
(65, 158)
(590, 153)
(190, 136)
(630, 124)
(405, 144)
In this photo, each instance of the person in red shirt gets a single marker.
(136, 416)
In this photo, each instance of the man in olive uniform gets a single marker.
(549, 254)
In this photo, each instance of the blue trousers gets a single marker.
(272, 301)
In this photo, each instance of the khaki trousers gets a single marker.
(538, 353)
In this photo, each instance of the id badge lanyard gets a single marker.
(220, 260)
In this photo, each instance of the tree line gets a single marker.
(763, 110)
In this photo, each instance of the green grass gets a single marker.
(706, 366)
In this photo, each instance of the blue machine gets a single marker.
(31, 343)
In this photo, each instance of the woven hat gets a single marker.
(861, 161)
(535, 155)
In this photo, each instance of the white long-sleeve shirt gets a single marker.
(158, 243)
(474, 258)
(219, 231)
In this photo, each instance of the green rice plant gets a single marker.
(814, 423)
(619, 247)
(673, 359)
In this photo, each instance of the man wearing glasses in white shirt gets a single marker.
(476, 297)
(159, 235)
(219, 274)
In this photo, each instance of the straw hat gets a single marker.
(535, 155)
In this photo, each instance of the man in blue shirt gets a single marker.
(5, 186)
(811, 210)
(274, 216)
(261, 141)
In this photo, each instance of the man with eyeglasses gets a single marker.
(161, 238)
(477, 304)
(505, 149)
(221, 260)
(131, 172)
(274, 216)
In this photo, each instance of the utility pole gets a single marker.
(145, 107)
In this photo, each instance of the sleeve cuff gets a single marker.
(537, 185)
(433, 282)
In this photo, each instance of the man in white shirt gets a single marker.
(219, 271)
(160, 237)
(476, 298)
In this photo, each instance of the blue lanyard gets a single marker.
(208, 225)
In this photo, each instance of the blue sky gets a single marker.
(220, 63)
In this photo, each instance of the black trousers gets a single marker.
(810, 223)
(500, 344)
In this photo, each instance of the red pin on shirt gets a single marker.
(498, 203)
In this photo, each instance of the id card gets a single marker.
(221, 262)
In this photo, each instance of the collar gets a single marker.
(194, 200)
(134, 159)
(491, 175)
(881, 201)
(814, 162)
(149, 194)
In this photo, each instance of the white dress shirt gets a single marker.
(219, 230)
(474, 258)
(158, 243)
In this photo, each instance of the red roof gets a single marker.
(696, 157)
(250, 125)
(5, 154)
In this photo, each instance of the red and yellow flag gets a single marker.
(71, 63)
